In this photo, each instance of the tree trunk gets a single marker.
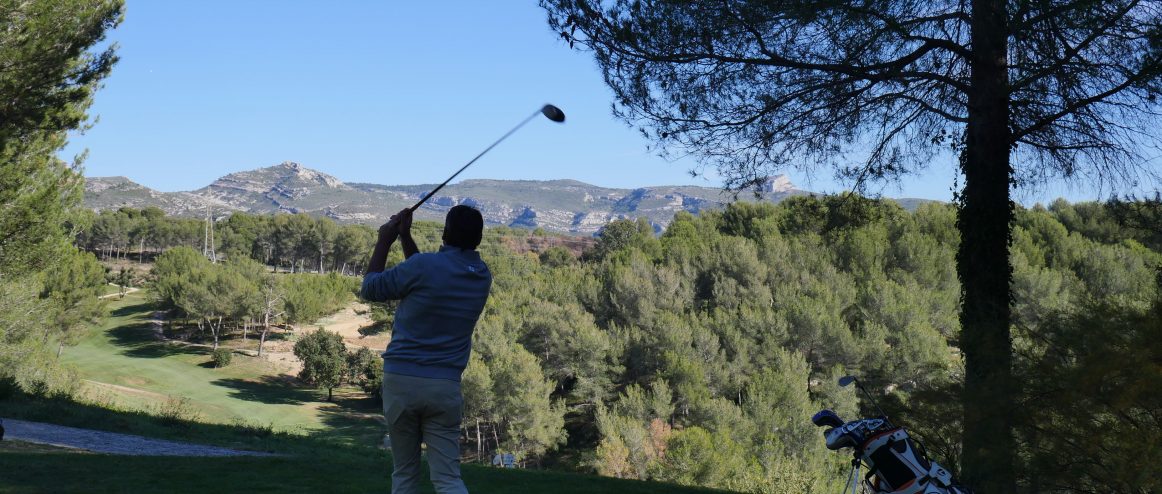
(214, 331)
(265, 328)
(985, 222)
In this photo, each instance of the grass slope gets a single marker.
(30, 471)
(124, 365)
(326, 447)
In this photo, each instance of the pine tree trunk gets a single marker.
(985, 222)
(214, 331)
(265, 331)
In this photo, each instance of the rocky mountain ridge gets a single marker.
(566, 206)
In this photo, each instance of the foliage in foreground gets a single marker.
(52, 66)
(739, 322)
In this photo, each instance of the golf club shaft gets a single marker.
(505, 136)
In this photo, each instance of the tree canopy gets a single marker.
(52, 60)
(1019, 91)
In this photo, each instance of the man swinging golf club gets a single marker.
(441, 296)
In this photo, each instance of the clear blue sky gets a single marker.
(370, 91)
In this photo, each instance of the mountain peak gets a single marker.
(100, 184)
(295, 170)
(285, 175)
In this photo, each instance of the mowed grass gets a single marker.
(32, 471)
(308, 463)
(122, 364)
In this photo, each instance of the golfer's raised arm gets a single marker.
(387, 235)
(405, 234)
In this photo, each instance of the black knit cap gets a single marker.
(463, 227)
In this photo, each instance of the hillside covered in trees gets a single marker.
(698, 356)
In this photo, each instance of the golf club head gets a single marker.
(826, 418)
(553, 113)
(846, 381)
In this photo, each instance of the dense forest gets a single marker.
(295, 242)
(698, 356)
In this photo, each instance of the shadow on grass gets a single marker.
(374, 329)
(272, 390)
(130, 310)
(139, 340)
(63, 410)
(353, 419)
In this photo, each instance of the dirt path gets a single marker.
(110, 442)
(128, 290)
(346, 323)
(126, 389)
(349, 321)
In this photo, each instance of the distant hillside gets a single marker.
(566, 206)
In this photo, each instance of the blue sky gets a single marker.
(375, 91)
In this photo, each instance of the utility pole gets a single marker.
(208, 236)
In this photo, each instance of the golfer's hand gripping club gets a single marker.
(549, 111)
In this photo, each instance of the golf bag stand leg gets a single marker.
(853, 477)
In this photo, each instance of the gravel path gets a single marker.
(110, 442)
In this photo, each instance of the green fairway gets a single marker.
(123, 364)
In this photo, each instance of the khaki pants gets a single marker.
(422, 410)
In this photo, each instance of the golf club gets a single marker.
(845, 381)
(549, 111)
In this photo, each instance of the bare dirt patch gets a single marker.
(126, 389)
(279, 349)
(349, 321)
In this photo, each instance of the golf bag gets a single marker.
(896, 463)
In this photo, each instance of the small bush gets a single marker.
(253, 428)
(177, 411)
(222, 357)
(373, 380)
(365, 369)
